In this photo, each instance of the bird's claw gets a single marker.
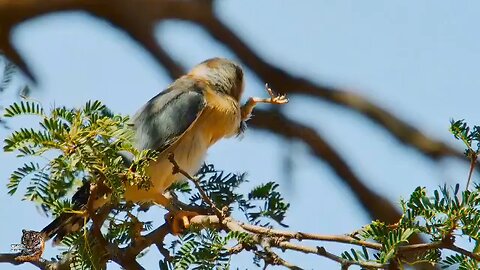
(274, 98)
(180, 221)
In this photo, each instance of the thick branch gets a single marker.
(154, 237)
(43, 264)
(377, 206)
(281, 79)
(125, 15)
(232, 225)
(277, 239)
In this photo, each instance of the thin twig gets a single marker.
(473, 161)
(196, 182)
(323, 252)
(465, 252)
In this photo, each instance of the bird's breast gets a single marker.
(221, 117)
(189, 152)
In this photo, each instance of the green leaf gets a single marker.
(19, 174)
(24, 108)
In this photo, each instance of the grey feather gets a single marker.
(167, 116)
(158, 124)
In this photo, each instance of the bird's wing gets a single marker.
(159, 124)
(167, 116)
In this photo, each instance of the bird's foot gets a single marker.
(274, 98)
(253, 101)
(180, 220)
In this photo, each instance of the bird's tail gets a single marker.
(71, 222)
(68, 223)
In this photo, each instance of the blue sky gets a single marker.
(419, 60)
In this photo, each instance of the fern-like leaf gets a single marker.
(19, 174)
(24, 108)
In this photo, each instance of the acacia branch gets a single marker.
(196, 182)
(10, 258)
(63, 264)
(263, 237)
(230, 224)
(321, 251)
(276, 239)
(156, 237)
(463, 251)
(310, 236)
(273, 258)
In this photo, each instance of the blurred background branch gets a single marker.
(138, 21)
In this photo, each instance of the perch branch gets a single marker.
(196, 182)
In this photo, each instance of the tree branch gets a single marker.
(42, 264)
(377, 206)
(196, 182)
(124, 15)
(310, 236)
(281, 79)
(274, 259)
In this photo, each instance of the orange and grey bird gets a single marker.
(188, 117)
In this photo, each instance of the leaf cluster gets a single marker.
(441, 217)
(210, 249)
(71, 147)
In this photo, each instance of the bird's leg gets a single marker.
(253, 101)
(178, 218)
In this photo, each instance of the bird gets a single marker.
(184, 120)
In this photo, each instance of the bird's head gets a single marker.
(223, 75)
